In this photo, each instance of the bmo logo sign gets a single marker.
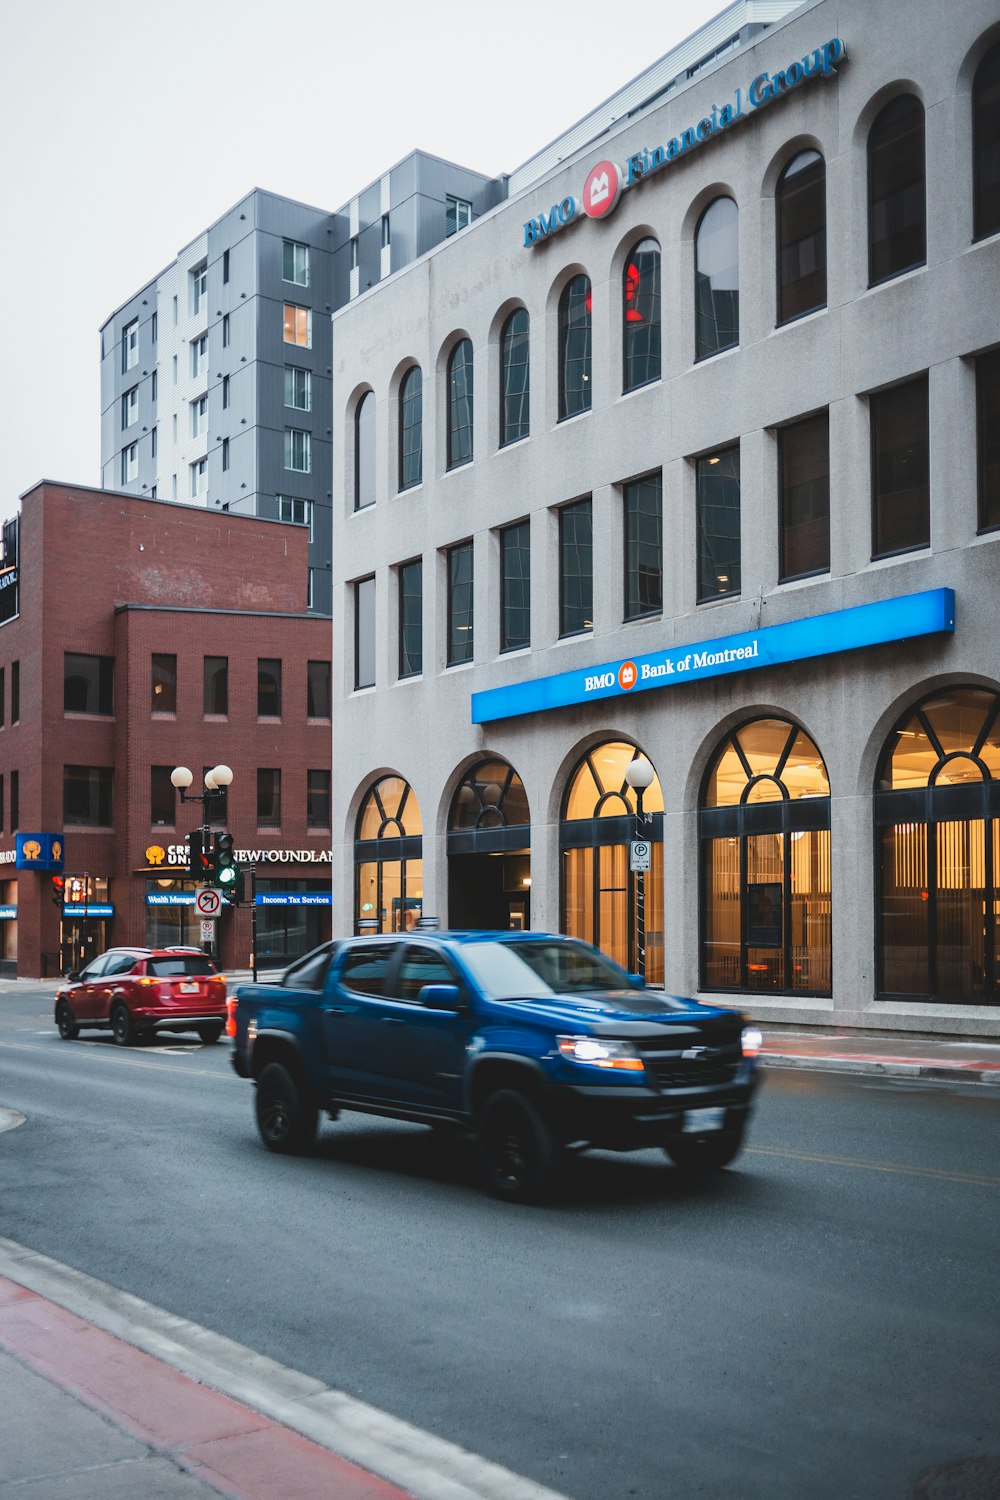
(602, 190)
(625, 678)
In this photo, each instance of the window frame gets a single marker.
(632, 607)
(511, 430)
(460, 406)
(295, 262)
(579, 286)
(269, 698)
(566, 629)
(454, 557)
(517, 533)
(702, 552)
(407, 655)
(632, 291)
(365, 629)
(880, 409)
(785, 532)
(408, 402)
(886, 113)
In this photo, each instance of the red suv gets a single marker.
(136, 991)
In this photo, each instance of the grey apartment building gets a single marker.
(687, 453)
(216, 375)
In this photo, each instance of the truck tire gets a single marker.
(519, 1150)
(701, 1155)
(287, 1114)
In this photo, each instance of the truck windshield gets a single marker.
(509, 970)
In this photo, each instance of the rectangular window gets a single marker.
(576, 568)
(643, 517)
(199, 478)
(318, 690)
(457, 214)
(3, 699)
(299, 512)
(298, 388)
(130, 345)
(268, 687)
(225, 392)
(515, 586)
(295, 262)
(87, 796)
(163, 696)
(354, 254)
(175, 370)
(225, 330)
(153, 385)
(364, 633)
(130, 407)
(1, 805)
(298, 325)
(154, 328)
(268, 799)
(298, 454)
(175, 310)
(386, 239)
(225, 267)
(15, 802)
(153, 444)
(15, 692)
(199, 355)
(215, 686)
(718, 524)
(199, 287)
(162, 797)
(225, 454)
(988, 439)
(130, 463)
(317, 799)
(88, 684)
(460, 604)
(411, 618)
(804, 497)
(199, 416)
(901, 513)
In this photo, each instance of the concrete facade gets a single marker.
(935, 320)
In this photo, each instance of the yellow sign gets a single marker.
(155, 855)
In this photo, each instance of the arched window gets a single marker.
(411, 429)
(641, 315)
(388, 864)
(364, 452)
(489, 849)
(801, 227)
(764, 834)
(460, 404)
(897, 199)
(598, 889)
(515, 378)
(986, 144)
(717, 279)
(574, 348)
(937, 817)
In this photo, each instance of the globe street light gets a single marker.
(639, 775)
(216, 782)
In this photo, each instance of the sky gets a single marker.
(131, 125)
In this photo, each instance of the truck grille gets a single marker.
(711, 1062)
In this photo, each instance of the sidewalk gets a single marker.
(888, 1053)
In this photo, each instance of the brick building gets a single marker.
(135, 636)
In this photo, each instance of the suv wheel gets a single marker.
(700, 1155)
(68, 1029)
(210, 1033)
(519, 1150)
(122, 1026)
(287, 1114)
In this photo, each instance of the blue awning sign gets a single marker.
(899, 619)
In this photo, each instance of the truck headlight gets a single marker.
(597, 1053)
(753, 1040)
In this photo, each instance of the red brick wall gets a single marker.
(109, 574)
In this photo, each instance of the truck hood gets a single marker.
(622, 1011)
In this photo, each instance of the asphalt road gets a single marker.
(820, 1321)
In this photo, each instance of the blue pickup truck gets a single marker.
(533, 1042)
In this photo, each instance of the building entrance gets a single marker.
(489, 855)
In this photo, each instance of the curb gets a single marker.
(893, 1067)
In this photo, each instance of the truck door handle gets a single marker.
(336, 1010)
(392, 1021)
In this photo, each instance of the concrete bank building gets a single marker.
(688, 451)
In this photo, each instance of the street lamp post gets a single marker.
(639, 775)
(217, 780)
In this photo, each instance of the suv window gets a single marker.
(95, 969)
(422, 966)
(119, 963)
(365, 967)
(310, 972)
(170, 968)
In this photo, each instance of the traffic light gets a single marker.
(58, 890)
(224, 861)
(76, 891)
(199, 846)
(235, 890)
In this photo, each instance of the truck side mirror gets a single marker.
(440, 996)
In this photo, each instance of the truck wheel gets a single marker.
(287, 1115)
(68, 1029)
(701, 1155)
(122, 1026)
(519, 1150)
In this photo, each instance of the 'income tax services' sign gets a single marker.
(822, 635)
